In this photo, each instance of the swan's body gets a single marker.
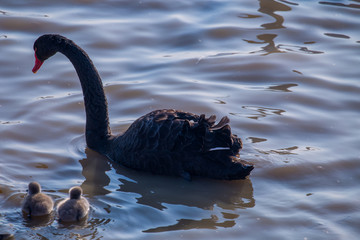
(74, 208)
(37, 203)
(163, 141)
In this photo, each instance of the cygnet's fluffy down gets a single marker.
(74, 208)
(37, 203)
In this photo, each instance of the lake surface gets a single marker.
(286, 73)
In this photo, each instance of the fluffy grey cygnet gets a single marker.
(74, 208)
(37, 203)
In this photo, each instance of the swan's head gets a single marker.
(45, 46)
(75, 192)
(34, 187)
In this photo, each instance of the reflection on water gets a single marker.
(290, 48)
(33, 222)
(94, 171)
(350, 5)
(187, 224)
(256, 139)
(280, 48)
(155, 192)
(161, 191)
(288, 150)
(283, 87)
(10, 122)
(336, 35)
(269, 7)
(268, 39)
(261, 112)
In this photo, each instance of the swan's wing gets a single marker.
(178, 143)
(177, 131)
(161, 130)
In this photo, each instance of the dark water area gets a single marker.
(286, 73)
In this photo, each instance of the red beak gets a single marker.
(38, 64)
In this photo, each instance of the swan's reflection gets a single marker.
(94, 170)
(160, 191)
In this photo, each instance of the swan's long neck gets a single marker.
(97, 119)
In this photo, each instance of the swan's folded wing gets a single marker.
(175, 131)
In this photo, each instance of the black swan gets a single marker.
(74, 208)
(167, 141)
(37, 203)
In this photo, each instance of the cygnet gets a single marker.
(74, 208)
(37, 203)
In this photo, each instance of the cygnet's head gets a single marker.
(75, 192)
(34, 187)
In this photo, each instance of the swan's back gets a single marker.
(180, 143)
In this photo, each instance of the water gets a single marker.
(286, 73)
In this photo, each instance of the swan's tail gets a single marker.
(218, 137)
(220, 146)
